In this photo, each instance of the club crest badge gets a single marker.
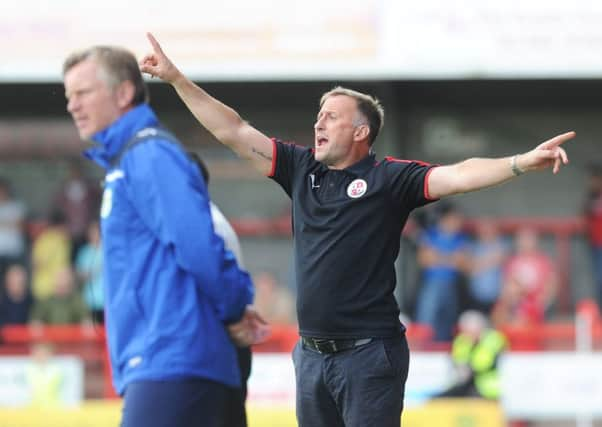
(357, 188)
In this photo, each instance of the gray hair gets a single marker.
(371, 111)
(117, 65)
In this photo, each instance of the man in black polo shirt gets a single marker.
(351, 363)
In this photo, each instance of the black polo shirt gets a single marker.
(346, 227)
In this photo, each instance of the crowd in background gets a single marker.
(509, 280)
(52, 274)
(51, 269)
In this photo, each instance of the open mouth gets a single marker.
(320, 141)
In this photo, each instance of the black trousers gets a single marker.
(360, 387)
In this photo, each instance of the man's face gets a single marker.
(92, 103)
(334, 130)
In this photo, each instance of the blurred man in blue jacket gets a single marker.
(172, 290)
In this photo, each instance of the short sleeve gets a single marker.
(408, 181)
(288, 161)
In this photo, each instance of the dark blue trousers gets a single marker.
(235, 414)
(193, 402)
(360, 387)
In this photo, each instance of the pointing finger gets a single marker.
(154, 43)
(557, 140)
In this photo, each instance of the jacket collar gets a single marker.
(111, 139)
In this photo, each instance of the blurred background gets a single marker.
(457, 79)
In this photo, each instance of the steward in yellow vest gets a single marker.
(475, 353)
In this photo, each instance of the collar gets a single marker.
(110, 140)
(363, 166)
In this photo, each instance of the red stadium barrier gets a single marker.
(90, 344)
(547, 337)
(57, 334)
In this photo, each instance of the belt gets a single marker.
(325, 345)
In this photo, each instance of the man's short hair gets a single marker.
(117, 65)
(368, 106)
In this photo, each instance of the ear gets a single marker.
(125, 94)
(361, 132)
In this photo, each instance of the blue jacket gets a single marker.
(170, 286)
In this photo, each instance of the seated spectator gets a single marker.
(273, 300)
(12, 236)
(65, 306)
(88, 266)
(475, 353)
(530, 283)
(16, 300)
(50, 255)
(487, 257)
(442, 255)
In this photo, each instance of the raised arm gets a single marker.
(477, 173)
(219, 119)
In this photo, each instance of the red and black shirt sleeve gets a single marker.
(408, 182)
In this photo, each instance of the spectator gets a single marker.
(88, 267)
(529, 285)
(44, 377)
(475, 354)
(16, 300)
(64, 307)
(51, 253)
(487, 256)
(442, 254)
(593, 216)
(12, 219)
(78, 199)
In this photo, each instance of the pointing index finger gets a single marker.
(557, 140)
(154, 43)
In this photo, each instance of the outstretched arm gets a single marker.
(219, 119)
(477, 173)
